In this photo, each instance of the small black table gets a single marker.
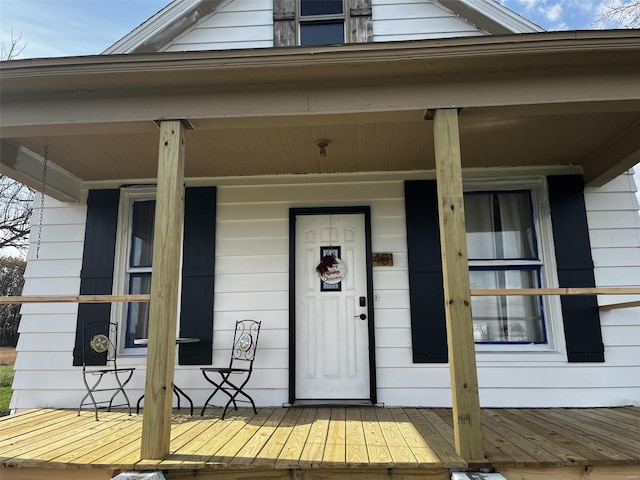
(178, 391)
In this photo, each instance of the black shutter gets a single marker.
(575, 268)
(198, 258)
(428, 324)
(96, 277)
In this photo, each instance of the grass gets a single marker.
(6, 379)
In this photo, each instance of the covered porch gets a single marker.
(498, 105)
(326, 442)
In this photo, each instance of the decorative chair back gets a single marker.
(243, 353)
(245, 341)
(100, 344)
(100, 351)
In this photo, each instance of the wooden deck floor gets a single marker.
(315, 443)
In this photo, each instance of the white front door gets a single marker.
(332, 340)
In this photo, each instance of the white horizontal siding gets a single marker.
(249, 24)
(613, 220)
(547, 397)
(614, 276)
(49, 286)
(607, 201)
(239, 24)
(614, 223)
(50, 323)
(613, 237)
(59, 268)
(252, 265)
(616, 257)
(621, 335)
(396, 20)
(227, 45)
(621, 317)
(45, 341)
(47, 331)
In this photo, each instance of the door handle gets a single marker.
(362, 316)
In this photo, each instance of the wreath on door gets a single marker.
(325, 264)
(331, 269)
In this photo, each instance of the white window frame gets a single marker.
(121, 270)
(547, 261)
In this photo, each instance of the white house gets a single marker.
(310, 133)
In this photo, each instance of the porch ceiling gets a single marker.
(508, 140)
(538, 100)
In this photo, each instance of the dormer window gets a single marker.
(321, 22)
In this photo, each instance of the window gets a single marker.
(133, 265)
(548, 245)
(321, 22)
(139, 268)
(505, 252)
(117, 257)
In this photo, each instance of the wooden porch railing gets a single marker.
(499, 292)
(74, 299)
(482, 292)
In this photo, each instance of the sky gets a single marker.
(54, 28)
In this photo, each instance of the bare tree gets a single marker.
(16, 206)
(14, 50)
(16, 199)
(625, 13)
(11, 283)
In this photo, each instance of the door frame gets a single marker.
(293, 213)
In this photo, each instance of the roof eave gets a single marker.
(31, 75)
(491, 11)
(161, 28)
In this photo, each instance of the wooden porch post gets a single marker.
(163, 309)
(457, 295)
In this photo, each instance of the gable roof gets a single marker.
(491, 16)
(168, 23)
(181, 15)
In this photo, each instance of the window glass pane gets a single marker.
(320, 7)
(142, 234)
(322, 33)
(138, 321)
(499, 226)
(507, 319)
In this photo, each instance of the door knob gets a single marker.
(362, 316)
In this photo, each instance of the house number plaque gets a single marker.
(380, 259)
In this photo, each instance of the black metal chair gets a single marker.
(243, 353)
(100, 345)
